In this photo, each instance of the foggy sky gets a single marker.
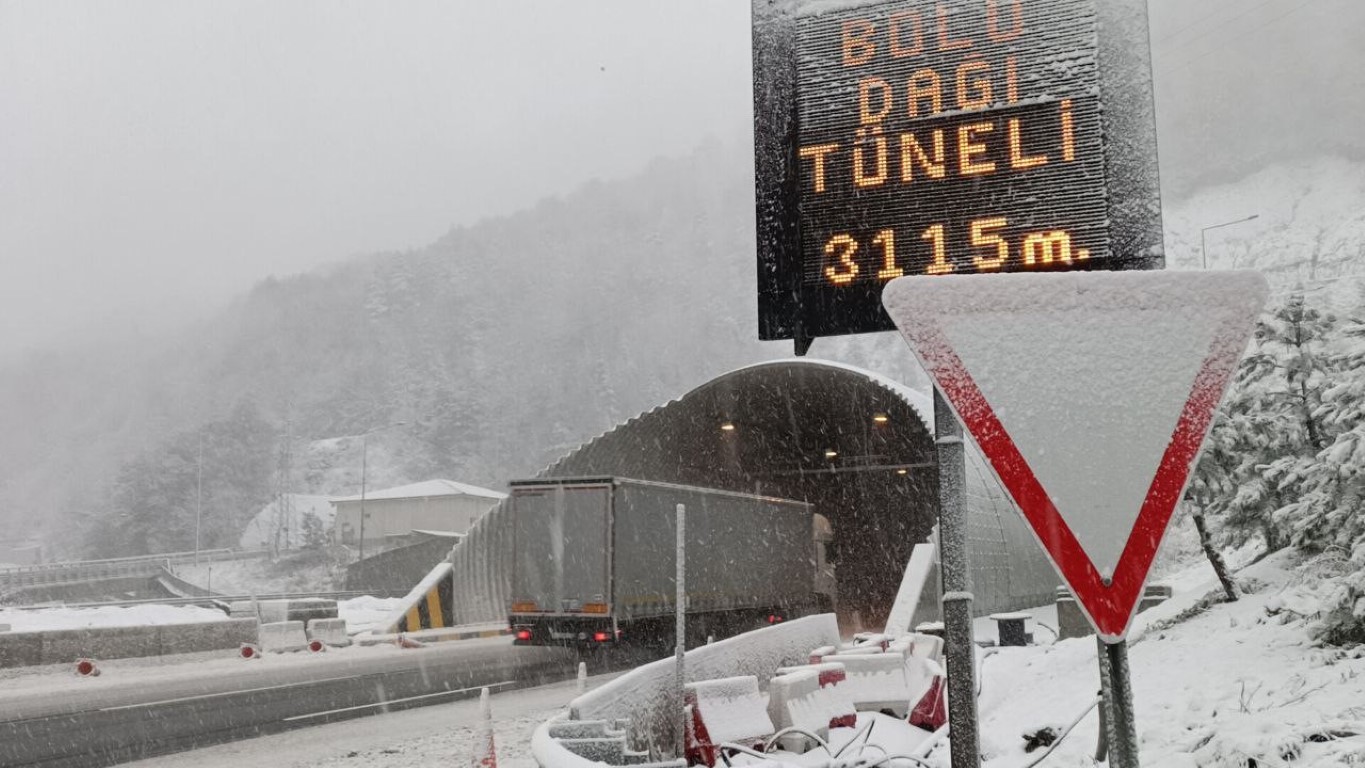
(157, 158)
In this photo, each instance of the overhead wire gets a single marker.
(1244, 12)
(1244, 35)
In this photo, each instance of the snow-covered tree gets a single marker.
(1277, 421)
(1329, 510)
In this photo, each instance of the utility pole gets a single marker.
(364, 455)
(364, 452)
(198, 497)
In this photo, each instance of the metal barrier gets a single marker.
(113, 568)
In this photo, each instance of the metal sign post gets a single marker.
(680, 644)
(1123, 743)
(960, 646)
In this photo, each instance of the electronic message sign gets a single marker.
(938, 137)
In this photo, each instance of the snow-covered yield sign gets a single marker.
(1090, 395)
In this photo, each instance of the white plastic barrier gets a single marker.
(792, 704)
(878, 682)
(550, 752)
(331, 632)
(927, 647)
(726, 711)
(818, 655)
(282, 636)
(642, 695)
(833, 699)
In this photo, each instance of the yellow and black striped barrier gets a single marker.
(432, 608)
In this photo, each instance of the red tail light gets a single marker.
(600, 637)
(774, 618)
(523, 634)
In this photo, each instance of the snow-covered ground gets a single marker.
(262, 577)
(107, 616)
(366, 613)
(431, 737)
(1215, 685)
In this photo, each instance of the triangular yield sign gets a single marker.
(1090, 394)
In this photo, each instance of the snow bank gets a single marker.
(367, 613)
(645, 695)
(110, 616)
(1216, 685)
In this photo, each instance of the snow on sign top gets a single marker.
(1090, 394)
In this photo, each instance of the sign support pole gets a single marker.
(1106, 701)
(680, 643)
(960, 646)
(1123, 743)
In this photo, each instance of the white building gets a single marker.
(443, 506)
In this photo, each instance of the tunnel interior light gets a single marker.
(881, 418)
(902, 471)
(728, 426)
(830, 453)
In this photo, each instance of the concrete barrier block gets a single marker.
(276, 611)
(330, 631)
(282, 636)
(21, 649)
(66, 646)
(208, 636)
(1070, 621)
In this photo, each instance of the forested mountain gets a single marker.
(501, 346)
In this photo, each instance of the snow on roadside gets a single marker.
(106, 616)
(430, 737)
(1215, 685)
(367, 613)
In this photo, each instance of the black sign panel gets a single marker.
(923, 137)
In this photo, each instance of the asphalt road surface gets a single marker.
(72, 727)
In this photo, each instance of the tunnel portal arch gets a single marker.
(857, 446)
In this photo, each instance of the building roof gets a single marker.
(427, 490)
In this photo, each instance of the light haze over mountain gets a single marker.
(161, 157)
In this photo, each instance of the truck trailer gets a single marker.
(594, 562)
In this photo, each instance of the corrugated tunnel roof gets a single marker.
(856, 445)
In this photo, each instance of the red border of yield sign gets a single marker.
(1109, 606)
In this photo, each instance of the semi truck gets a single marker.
(594, 562)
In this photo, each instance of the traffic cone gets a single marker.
(317, 646)
(485, 754)
(87, 668)
(249, 651)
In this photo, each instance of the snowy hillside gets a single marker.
(1310, 229)
(501, 346)
(1216, 685)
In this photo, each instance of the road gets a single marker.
(430, 737)
(76, 723)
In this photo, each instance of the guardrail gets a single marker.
(214, 600)
(94, 570)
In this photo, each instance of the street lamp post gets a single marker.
(198, 497)
(1203, 240)
(364, 455)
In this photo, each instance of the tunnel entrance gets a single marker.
(853, 444)
(856, 448)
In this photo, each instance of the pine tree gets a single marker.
(1327, 512)
(1279, 419)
